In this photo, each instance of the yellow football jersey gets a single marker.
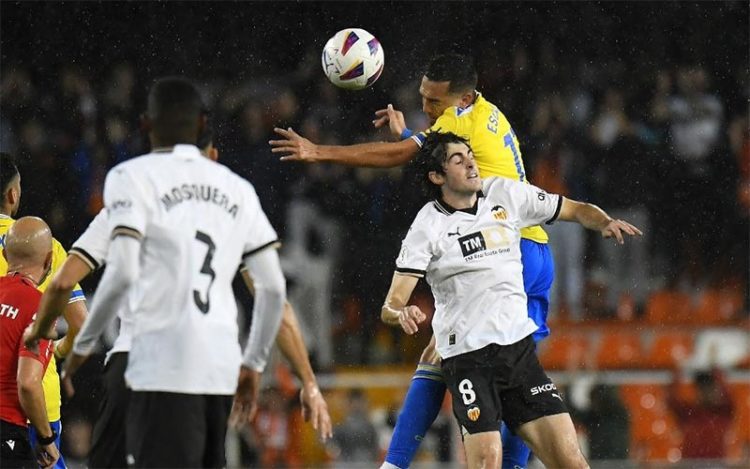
(493, 141)
(51, 380)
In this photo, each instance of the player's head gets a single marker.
(10, 184)
(28, 247)
(175, 112)
(445, 165)
(450, 80)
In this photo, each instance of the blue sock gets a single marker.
(515, 452)
(421, 407)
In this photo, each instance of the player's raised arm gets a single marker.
(294, 147)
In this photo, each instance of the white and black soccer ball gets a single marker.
(353, 59)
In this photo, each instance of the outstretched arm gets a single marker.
(594, 218)
(294, 147)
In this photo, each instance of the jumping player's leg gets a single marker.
(483, 450)
(420, 409)
(553, 439)
(538, 274)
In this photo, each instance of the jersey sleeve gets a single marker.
(44, 355)
(532, 204)
(260, 233)
(127, 212)
(416, 251)
(447, 122)
(93, 244)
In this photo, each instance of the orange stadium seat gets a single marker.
(668, 307)
(654, 433)
(668, 349)
(738, 439)
(717, 306)
(619, 350)
(559, 350)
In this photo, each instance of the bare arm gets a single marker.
(55, 301)
(74, 314)
(592, 217)
(292, 345)
(294, 147)
(395, 311)
(31, 394)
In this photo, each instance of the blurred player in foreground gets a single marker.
(451, 102)
(28, 252)
(74, 309)
(88, 253)
(180, 224)
(466, 244)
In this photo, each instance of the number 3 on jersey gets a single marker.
(205, 269)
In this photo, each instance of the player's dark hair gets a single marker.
(457, 69)
(432, 157)
(8, 171)
(175, 108)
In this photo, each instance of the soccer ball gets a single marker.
(353, 59)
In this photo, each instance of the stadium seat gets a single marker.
(738, 439)
(668, 349)
(668, 307)
(619, 350)
(558, 350)
(716, 306)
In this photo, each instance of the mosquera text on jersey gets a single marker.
(196, 220)
(496, 148)
(472, 260)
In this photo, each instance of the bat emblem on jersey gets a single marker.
(473, 414)
(499, 213)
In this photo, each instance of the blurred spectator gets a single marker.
(271, 430)
(623, 188)
(607, 423)
(355, 440)
(706, 420)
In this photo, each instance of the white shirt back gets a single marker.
(472, 262)
(196, 220)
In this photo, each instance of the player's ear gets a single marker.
(467, 98)
(213, 154)
(436, 178)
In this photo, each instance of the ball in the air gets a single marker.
(353, 59)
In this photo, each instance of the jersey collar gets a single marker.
(182, 149)
(446, 209)
(5, 217)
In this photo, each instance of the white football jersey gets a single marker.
(92, 247)
(472, 261)
(196, 220)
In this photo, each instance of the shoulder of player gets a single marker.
(430, 218)
(500, 189)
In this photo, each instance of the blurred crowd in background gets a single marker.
(640, 108)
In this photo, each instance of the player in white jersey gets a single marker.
(89, 253)
(466, 244)
(180, 225)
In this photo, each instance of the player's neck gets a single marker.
(458, 200)
(33, 274)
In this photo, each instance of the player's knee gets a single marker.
(489, 455)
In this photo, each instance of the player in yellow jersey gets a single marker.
(450, 100)
(75, 312)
